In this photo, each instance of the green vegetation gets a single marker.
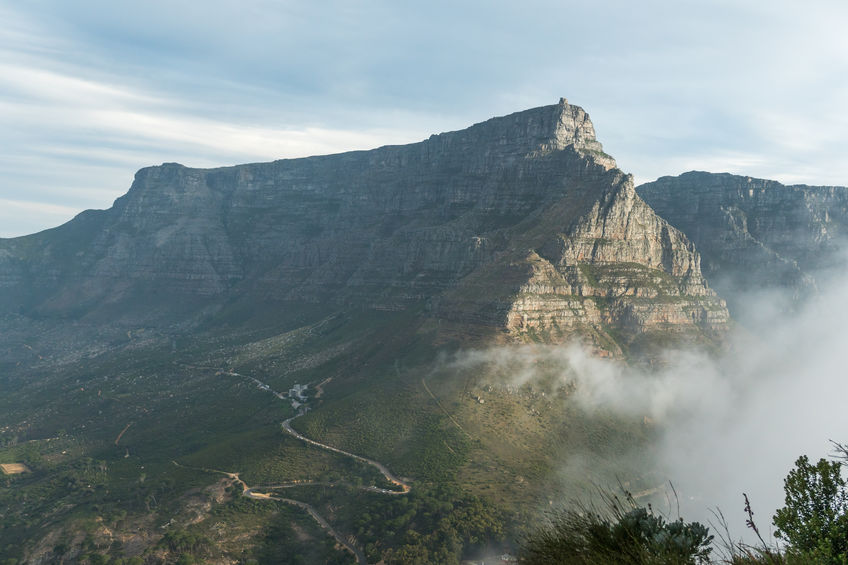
(656, 281)
(102, 436)
(430, 525)
(814, 521)
(622, 533)
(101, 439)
(285, 540)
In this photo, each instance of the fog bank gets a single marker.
(728, 423)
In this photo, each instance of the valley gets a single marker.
(473, 330)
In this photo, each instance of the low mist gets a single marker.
(728, 423)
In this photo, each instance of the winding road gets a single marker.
(251, 493)
(379, 466)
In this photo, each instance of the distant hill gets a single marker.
(756, 234)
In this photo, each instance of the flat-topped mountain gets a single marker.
(149, 353)
(753, 233)
(521, 223)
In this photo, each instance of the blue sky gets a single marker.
(91, 91)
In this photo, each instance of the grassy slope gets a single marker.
(494, 459)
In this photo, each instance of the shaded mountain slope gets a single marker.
(753, 233)
(136, 337)
(496, 225)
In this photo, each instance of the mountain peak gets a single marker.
(538, 131)
(523, 206)
(551, 128)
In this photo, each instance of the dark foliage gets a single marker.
(622, 533)
(814, 520)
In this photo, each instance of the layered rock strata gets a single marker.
(756, 234)
(598, 262)
(521, 223)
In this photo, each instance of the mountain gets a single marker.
(756, 234)
(518, 224)
(346, 330)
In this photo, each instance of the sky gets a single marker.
(91, 90)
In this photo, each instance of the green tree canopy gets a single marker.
(814, 520)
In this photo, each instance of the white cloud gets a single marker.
(15, 216)
(99, 134)
(18, 206)
(729, 84)
(728, 423)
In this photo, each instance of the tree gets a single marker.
(814, 520)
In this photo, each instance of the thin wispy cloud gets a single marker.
(102, 88)
(14, 213)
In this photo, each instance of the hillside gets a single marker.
(756, 234)
(147, 350)
(518, 223)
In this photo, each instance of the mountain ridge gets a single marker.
(756, 234)
(384, 229)
(396, 289)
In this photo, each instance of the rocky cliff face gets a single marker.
(598, 262)
(756, 233)
(520, 223)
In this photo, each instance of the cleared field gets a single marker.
(13, 468)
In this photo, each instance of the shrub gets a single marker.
(814, 521)
(624, 533)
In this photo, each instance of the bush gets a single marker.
(624, 533)
(814, 521)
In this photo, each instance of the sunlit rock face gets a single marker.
(756, 234)
(520, 224)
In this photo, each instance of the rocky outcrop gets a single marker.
(599, 263)
(526, 205)
(756, 234)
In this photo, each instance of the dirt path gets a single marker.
(294, 484)
(250, 492)
(405, 488)
(319, 388)
(360, 556)
(442, 408)
(257, 382)
(120, 435)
